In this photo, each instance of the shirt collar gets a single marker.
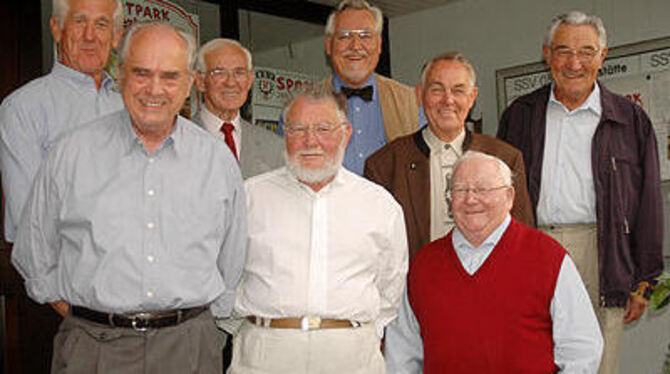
(213, 122)
(372, 81)
(80, 78)
(592, 102)
(339, 180)
(436, 144)
(173, 141)
(459, 241)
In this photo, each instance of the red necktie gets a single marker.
(227, 130)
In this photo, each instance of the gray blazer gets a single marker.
(262, 150)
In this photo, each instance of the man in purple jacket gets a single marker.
(593, 175)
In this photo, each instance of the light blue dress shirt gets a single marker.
(577, 339)
(567, 193)
(36, 114)
(114, 228)
(368, 133)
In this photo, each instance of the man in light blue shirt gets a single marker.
(137, 221)
(76, 91)
(379, 109)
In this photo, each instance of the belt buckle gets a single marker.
(310, 323)
(140, 321)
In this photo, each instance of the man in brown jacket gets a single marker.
(379, 109)
(417, 168)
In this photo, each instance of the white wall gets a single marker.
(307, 56)
(497, 34)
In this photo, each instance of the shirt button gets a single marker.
(150, 192)
(358, 109)
(150, 258)
(150, 225)
(359, 131)
(360, 155)
(150, 294)
(151, 160)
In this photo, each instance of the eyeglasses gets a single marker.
(218, 74)
(364, 35)
(320, 130)
(584, 55)
(459, 192)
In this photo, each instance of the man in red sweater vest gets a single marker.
(492, 296)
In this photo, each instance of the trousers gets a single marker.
(84, 347)
(581, 242)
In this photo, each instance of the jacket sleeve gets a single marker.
(646, 242)
(503, 126)
(522, 209)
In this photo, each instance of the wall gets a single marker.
(499, 34)
(307, 56)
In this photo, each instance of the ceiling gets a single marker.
(394, 8)
(262, 31)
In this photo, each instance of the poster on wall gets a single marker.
(271, 89)
(640, 72)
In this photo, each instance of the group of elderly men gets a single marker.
(136, 226)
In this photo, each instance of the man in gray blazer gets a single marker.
(225, 76)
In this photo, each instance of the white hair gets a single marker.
(358, 5)
(218, 43)
(316, 92)
(61, 7)
(504, 171)
(576, 18)
(450, 56)
(186, 36)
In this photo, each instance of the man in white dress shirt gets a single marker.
(493, 296)
(225, 76)
(327, 254)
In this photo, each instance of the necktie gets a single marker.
(227, 130)
(364, 93)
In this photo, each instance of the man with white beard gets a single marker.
(327, 254)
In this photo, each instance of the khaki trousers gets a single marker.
(581, 242)
(85, 347)
(263, 350)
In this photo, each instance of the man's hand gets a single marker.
(61, 307)
(634, 307)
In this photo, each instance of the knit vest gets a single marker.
(496, 320)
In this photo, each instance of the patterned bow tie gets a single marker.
(364, 93)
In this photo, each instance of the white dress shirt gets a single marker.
(338, 253)
(567, 193)
(443, 156)
(577, 339)
(213, 125)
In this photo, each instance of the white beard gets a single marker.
(310, 175)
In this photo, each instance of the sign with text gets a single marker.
(271, 90)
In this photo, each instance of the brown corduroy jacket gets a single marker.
(403, 168)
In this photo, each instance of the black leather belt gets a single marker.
(138, 321)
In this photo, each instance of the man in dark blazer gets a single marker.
(417, 168)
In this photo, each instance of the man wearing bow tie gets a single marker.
(380, 109)
(417, 168)
(225, 75)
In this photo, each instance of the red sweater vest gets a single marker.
(495, 321)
